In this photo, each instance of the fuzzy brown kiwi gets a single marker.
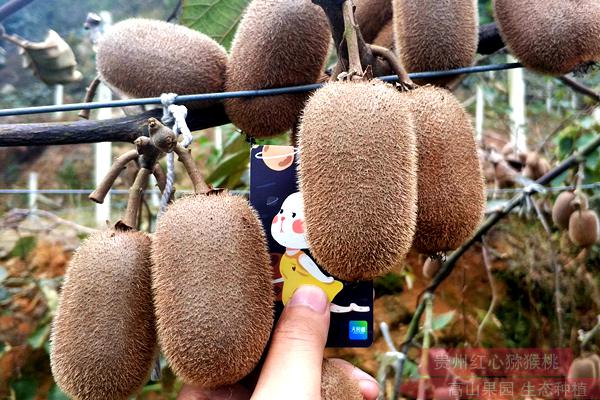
(213, 294)
(551, 36)
(144, 58)
(371, 15)
(584, 228)
(451, 199)
(535, 166)
(581, 368)
(359, 188)
(278, 43)
(103, 336)
(436, 35)
(337, 385)
(563, 207)
(431, 267)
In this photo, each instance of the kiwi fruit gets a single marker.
(277, 44)
(360, 188)
(435, 35)
(103, 336)
(595, 359)
(581, 368)
(584, 228)
(564, 206)
(551, 36)
(535, 166)
(451, 187)
(371, 15)
(144, 58)
(213, 294)
(337, 385)
(431, 267)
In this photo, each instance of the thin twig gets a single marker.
(119, 165)
(200, 186)
(175, 11)
(135, 196)
(390, 57)
(350, 29)
(15, 216)
(90, 92)
(490, 276)
(580, 88)
(427, 332)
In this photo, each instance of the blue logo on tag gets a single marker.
(359, 330)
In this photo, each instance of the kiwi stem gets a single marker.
(404, 80)
(90, 92)
(161, 178)
(427, 333)
(488, 269)
(135, 197)
(200, 187)
(101, 191)
(350, 29)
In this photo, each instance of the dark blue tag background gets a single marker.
(273, 178)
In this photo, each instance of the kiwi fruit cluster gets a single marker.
(103, 339)
(294, 37)
(144, 58)
(336, 384)
(536, 166)
(213, 296)
(359, 188)
(551, 36)
(570, 211)
(433, 35)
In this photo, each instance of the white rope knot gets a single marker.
(179, 113)
(167, 99)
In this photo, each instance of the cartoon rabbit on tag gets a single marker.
(296, 267)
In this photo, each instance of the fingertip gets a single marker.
(369, 389)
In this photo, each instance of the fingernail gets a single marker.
(311, 297)
(362, 375)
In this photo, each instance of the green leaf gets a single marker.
(56, 394)
(215, 18)
(37, 339)
(442, 320)
(411, 370)
(24, 389)
(229, 166)
(23, 247)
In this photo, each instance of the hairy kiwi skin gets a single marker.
(451, 199)
(359, 187)
(371, 15)
(213, 294)
(278, 43)
(550, 36)
(336, 385)
(144, 58)
(436, 35)
(103, 337)
(564, 207)
(583, 228)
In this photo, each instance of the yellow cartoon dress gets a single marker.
(294, 275)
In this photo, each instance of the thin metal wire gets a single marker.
(243, 93)
(589, 186)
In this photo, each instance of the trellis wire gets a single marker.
(243, 93)
(589, 186)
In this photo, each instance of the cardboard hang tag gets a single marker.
(275, 196)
